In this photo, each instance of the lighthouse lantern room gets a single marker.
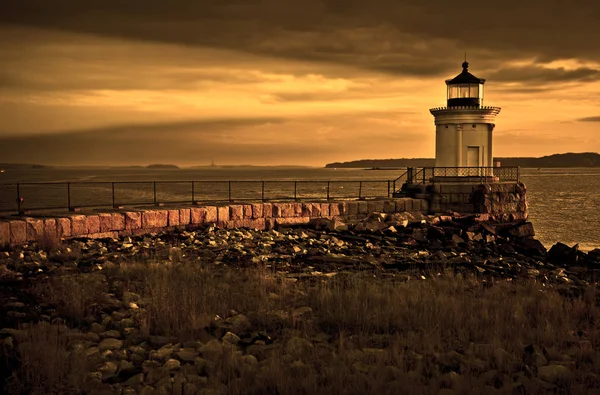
(464, 127)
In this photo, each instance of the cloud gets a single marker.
(543, 75)
(589, 119)
(407, 37)
(269, 141)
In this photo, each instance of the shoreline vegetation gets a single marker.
(391, 304)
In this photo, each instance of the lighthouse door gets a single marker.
(473, 160)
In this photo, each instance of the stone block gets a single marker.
(211, 214)
(50, 228)
(18, 232)
(185, 216)
(236, 212)
(63, 227)
(267, 210)
(334, 209)
(269, 223)
(258, 223)
(4, 233)
(154, 219)
(223, 213)
(292, 221)
(198, 215)
(133, 220)
(400, 205)
(297, 209)
(417, 204)
(408, 204)
(78, 226)
(173, 218)
(35, 229)
(247, 211)
(324, 210)
(375, 206)
(118, 221)
(352, 208)
(277, 210)
(106, 222)
(389, 206)
(363, 207)
(307, 209)
(424, 205)
(92, 224)
(106, 235)
(316, 209)
(257, 210)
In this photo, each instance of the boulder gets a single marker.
(562, 254)
(555, 374)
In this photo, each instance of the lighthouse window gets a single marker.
(474, 126)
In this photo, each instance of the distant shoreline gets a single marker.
(585, 159)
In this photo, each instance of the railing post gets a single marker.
(69, 196)
(193, 193)
(19, 201)
(328, 182)
(229, 190)
(295, 190)
(112, 186)
(360, 189)
(389, 194)
(155, 203)
(262, 191)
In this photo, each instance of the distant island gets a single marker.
(584, 159)
(23, 166)
(159, 166)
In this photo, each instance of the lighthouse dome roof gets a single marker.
(465, 77)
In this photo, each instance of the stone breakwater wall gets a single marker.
(502, 202)
(262, 216)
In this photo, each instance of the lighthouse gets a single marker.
(463, 129)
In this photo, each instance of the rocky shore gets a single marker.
(95, 306)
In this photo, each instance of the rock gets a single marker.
(110, 344)
(231, 338)
(135, 380)
(555, 374)
(563, 255)
(187, 354)
(211, 350)
(172, 364)
(236, 324)
(524, 229)
(108, 370)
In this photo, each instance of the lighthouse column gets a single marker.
(459, 144)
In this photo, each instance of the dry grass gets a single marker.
(74, 295)
(47, 366)
(349, 313)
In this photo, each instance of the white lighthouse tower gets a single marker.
(463, 129)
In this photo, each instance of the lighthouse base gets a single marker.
(500, 201)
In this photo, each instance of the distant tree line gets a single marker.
(584, 159)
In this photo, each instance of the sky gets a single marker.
(276, 82)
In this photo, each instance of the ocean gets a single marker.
(564, 204)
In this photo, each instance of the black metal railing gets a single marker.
(23, 197)
(433, 175)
